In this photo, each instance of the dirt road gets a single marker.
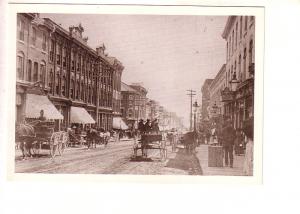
(116, 158)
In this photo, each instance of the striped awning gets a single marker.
(80, 115)
(118, 123)
(36, 103)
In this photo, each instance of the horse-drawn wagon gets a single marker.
(150, 141)
(39, 135)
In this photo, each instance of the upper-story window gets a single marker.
(250, 52)
(20, 66)
(58, 54)
(72, 88)
(29, 70)
(246, 22)
(33, 38)
(232, 42)
(63, 86)
(21, 29)
(57, 83)
(43, 73)
(241, 27)
(44, 41)
(35, 71)
(64, 57)
(51, 55)
(229, 48)
(50, 80)
(236, 34)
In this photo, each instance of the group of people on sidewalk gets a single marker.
(231, 139)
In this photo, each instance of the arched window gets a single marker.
(82, 91)
(63, 86)
(72, 88)
(50, 82)
(35, 71)
(43, 73)
(29, 68)
(20, 66)
(77, 90)
(57, 83)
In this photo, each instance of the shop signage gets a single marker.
(226, 95)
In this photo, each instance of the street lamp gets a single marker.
(195, 105)
(234, 83)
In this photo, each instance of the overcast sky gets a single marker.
(168, 54)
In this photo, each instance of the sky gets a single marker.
(168, 54)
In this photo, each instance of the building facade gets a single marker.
(215, 89)
(239, 33)
(71, 73)
(205, 99)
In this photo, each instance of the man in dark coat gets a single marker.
(141, 126)
(147, 126)
(227, 139)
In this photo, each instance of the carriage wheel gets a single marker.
(53, 149)
(61, 148)
(37, 148)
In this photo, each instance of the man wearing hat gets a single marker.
(227, 139)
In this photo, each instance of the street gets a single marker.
(116, 158)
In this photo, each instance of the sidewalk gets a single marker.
(202, 155)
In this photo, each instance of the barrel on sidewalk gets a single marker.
(215, 156)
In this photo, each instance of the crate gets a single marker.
(215, 156)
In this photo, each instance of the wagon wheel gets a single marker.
(37, 147)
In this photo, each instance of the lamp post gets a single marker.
(195, 105)
(233, 84)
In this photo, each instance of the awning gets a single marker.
(36, 103)
(118, 123)
(80, 115)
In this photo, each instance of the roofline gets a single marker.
(223, 69)
(228, 25)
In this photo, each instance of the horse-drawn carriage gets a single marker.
(38, 135)
(150, 141)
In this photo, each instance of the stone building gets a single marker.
(239, 33)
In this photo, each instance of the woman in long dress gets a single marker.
(248, 162)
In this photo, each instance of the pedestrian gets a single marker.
(154, 126)
(238, 143)
(42, 117)
(227, 139)
(141, 126)
(147, 126)
(248, 161)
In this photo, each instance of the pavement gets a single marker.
(202, 155)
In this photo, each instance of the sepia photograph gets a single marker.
(135, 94)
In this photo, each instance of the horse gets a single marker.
(25, 135)
(190, 141)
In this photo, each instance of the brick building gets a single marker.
(75, 78)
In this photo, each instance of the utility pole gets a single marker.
(191, 94)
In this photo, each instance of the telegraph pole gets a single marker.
(191, 94)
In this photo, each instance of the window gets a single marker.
(82, 91)
(20, 67)
(57, 83)
(51, 55)
(43, 73)
(232, 42)
(130, 112)
(77, 90)
(64, 54)
(63, 86)
(58, 54)
(44, 42)
(250, 52)
(239, 71)
(35, 71)
(246, 22)
(227, 51)
(29, 68)
(21, 29)
(73, 60)
(33, 38)
(50, 82)
(241, 27)
(72, 88)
